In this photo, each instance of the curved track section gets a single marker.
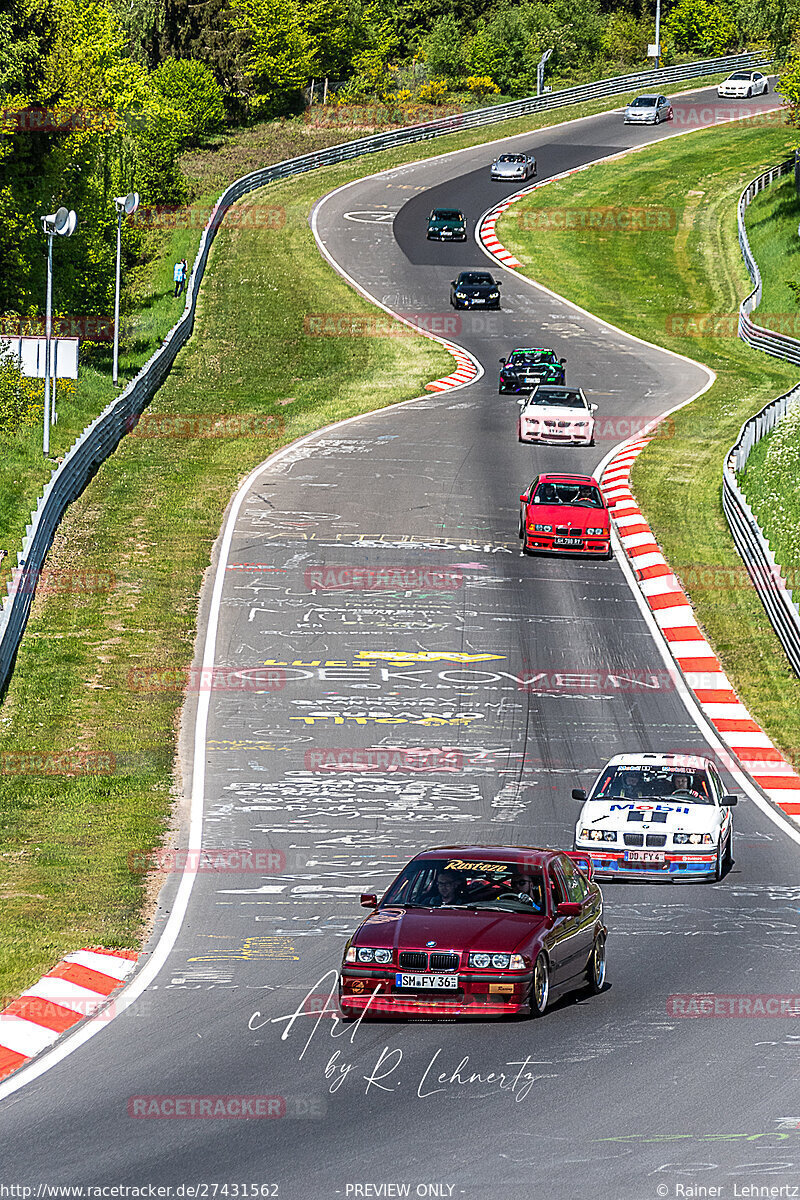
(479, 657)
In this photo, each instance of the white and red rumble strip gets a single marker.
(465, 370)
(699, 666)
(74, 989)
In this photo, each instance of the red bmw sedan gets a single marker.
(565, 514)
(478, 931)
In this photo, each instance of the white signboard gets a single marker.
(30, 354)
(653, 50)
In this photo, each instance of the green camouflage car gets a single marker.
(447, 225)
(526, 368)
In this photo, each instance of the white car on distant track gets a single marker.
(557, 415)
(657, 816)
(742, 84)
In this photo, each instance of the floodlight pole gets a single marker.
(657, 59)
(48, 330)
(540, 71)
(120, 211)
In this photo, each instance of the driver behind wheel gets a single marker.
(528, 890)
(682, 783)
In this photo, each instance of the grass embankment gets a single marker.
(773, 469)
(636, 281)
(152, 310)
(149, 518)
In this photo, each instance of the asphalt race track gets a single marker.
(608, 1097)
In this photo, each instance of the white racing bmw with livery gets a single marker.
(657, 816)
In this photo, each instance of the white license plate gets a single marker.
(478, 300)
(567, 541)
(646, 856)
(425, 982)
(531, 378)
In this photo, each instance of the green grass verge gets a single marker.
(636, 281)
(770, 481)
(149, 518)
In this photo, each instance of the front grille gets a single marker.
(413, 960)
(444, 962)
(563, 424)
(633, 839)
(656, 839)
(562, 530)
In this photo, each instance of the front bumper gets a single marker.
(542, 543)
(445, 235)
(476, 996)
(730, 94)
(641, 120)
(476, 302)
(610, 864)
(556, 437)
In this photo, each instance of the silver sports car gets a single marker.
(514, 167)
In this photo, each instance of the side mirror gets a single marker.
(730, 800)
(452, 283)
(369, 900)
(524, 498)
(593, 407)
(568, 908)
(562, 362)
(578, 794)
(502, 361)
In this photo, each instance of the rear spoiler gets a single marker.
(583, 859)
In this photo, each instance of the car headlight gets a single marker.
(580, 424)
(692, 839)
(596, 532)
(543, 528)
(461, 295)
(500, 962)
(598, 835)
(494, 295)
(366, 954)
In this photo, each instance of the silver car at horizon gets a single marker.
(514, 167)
(648, 110)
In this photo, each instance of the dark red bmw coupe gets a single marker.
(477, 931)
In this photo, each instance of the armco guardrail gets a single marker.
(747, 535)
(100, 439)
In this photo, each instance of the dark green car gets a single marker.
(447, 225)
(527, 367)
